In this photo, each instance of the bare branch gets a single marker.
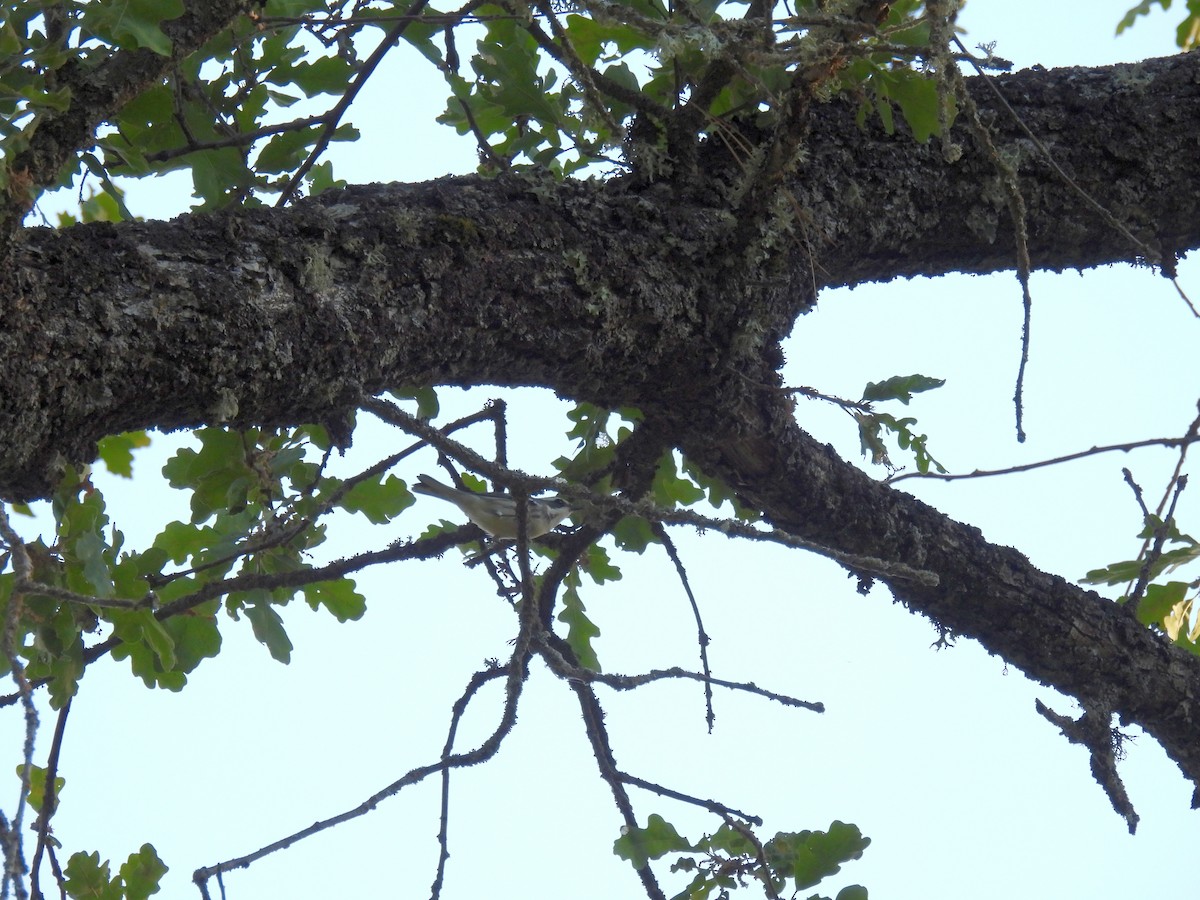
(702, 638)
(482, 753)
(478, 680)
(49, 801)
(1184, 441)
(629, 682)
(1094, 731)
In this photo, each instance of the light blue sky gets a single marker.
(937, 756)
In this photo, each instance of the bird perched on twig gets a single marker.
(497, 513)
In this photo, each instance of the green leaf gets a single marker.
(292, 8)
(150, 645)
(286, 151)
(380, 499)
(180, 540)
(89, 879)
(596, 447)
(196, 637)
(88, 552)
(598, 566)
(116, 451)
(147, 121)
(1170, 530)
(809, 856)
(327, 75)
(158, 639)
(86, 555)
(580, 629)
(320, 179)
(634, 534)
(65, 672)
(420, 35)
(1142, 9)
(669, 489)
(339, 597)
(589, 37)
(1159, 600)
(1117, 573)
(718, 492)
(268, 626)
(1187, 35)
(852, 892)
(133, 23)
(920, 103)
(900, 387)
(142, 873)
(108, 205)
(657, 839)
(1131, 570)
(37, 786)
(218, 175)
(728, 840)
(218, 474)
(10, 42)
(427, 401)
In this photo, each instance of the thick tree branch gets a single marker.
(883, 207)
(583, 288)
(274, 317)
(1057, 633)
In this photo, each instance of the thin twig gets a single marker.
(760, 854)
(49, 798)
(480, 754)
(485, 148)
(597, 734)
(702, 637)
(242, 138)
(14, 862)
(426, 548)
(630, 682)
(1094, 730)
(1151, 255)
(1137, 492)
(334, 116)
(710, 805)
(1019, 217)
(1156, 549)
(478, 680)
(1070, 457)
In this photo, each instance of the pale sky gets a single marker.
(939, 757)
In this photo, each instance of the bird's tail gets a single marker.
(434, 488)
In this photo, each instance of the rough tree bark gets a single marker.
(636, 298)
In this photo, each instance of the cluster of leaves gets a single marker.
(1167, 605)
(257, 500)
(732, 857)
(216, 115)
(1187, 34)
(643, 56)
(85, 877)
(213, 116)
(256, 503)
(873, 425)
(542, 87)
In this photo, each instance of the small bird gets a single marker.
(497, 513)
